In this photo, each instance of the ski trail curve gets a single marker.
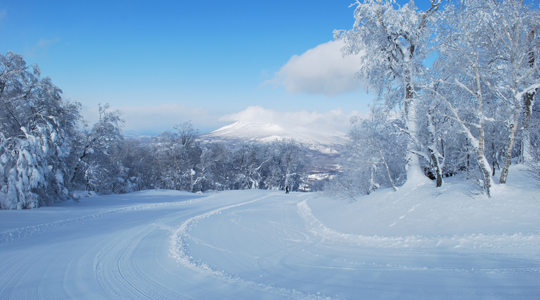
(178, 251)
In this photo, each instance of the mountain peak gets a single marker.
(269, 132)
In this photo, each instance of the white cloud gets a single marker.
(321, 70)
(331, 122)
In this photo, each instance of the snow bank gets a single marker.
(454, 216)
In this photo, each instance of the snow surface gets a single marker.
(251, 131)
(417, 243)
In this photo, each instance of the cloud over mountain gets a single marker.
(333, 122)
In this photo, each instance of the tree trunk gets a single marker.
(433, 150)
(484, 164)
(494, 162)
(468, 165)
(511, 140)
(414, 172)
(437, 168)
(528, 102)
(526, 150)
(386, 165)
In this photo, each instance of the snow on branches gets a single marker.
(37, 130)
(466, 73)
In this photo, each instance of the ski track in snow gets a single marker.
(178, 250)
(459, 242)
(18, 233)
(255, 245)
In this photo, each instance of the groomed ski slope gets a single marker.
(417, 243)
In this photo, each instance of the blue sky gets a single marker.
(167, 62)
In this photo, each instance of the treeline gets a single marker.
(457, 92)
(47, 150)
(178, 160)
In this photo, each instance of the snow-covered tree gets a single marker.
(96, 169)
(37, 132)
(394, 41)
(486, 72)
(465, 110)
(215, 168)
(287, 165)
(513, 32)
(247, 162)
(374, 157)
(178, 155)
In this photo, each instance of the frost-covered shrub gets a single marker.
(374, 157)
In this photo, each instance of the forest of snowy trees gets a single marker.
(178, 160)
(456, 84)
(456, 88)
(47, 151)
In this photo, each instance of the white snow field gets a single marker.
(417, 243)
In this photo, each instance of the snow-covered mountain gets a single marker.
(326, 142)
